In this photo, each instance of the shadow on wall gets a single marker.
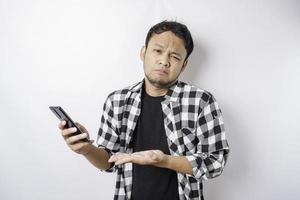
(237, 168)
(195, 64)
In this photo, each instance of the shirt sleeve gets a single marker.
(212, 148)
(107, 135)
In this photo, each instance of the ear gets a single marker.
(184, 65)
(142, 53)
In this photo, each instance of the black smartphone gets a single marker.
(62, 115)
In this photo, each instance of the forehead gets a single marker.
(167, 40)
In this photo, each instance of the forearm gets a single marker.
(98, 157)
(177, 163)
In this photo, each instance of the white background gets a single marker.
(74, 53)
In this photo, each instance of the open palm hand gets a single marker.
(149, 157)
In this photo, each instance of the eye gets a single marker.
(157, 50)
(176, 58)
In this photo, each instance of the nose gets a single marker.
(164, 60)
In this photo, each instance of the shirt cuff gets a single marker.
(196, 160)
(112, 167)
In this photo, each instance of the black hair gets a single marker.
(180, 30)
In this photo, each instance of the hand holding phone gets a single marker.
(63, 116)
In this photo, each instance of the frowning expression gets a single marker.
(164, 59)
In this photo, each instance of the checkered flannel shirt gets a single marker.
(194, 127)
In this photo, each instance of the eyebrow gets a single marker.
(173, 52)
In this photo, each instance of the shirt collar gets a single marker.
(171, 95)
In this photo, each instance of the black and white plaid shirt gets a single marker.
(194, 127)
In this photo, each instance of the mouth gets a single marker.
(160, 71)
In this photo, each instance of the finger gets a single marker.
(68, 131)
(78, 146)
(117, 156)
(62, 124)
(119, 162)
(123, 160)
(76, 138)
(139, 160)
(81, 128)
(113, 158)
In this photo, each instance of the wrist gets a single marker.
(165, 162)
(88, 149)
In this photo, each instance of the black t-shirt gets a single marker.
(151, 182)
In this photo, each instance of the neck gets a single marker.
(153, 90)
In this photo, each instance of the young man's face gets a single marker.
(163, 59)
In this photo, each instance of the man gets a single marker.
(162, 136)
